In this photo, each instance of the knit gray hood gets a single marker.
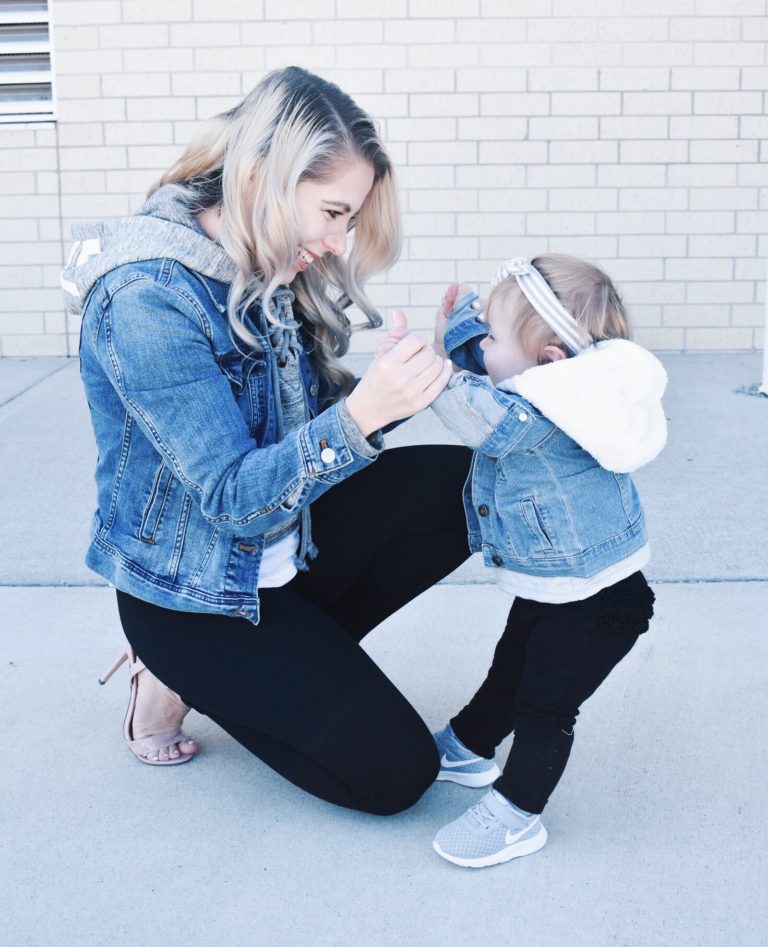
(162, 228)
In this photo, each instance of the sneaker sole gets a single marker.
(527, 847)
(474, 780)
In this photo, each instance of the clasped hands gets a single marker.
(406, 374)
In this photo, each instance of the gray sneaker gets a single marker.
(489, 833)
(458, 764)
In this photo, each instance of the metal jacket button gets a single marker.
(496, 560)
(482, 509)
(522, 416)
(327, 455)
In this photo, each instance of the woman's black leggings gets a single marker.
(297, 689)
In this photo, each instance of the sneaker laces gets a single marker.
(481, 815)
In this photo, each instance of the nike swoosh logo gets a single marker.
(447, 764)
(509, 838)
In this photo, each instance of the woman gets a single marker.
(213, 322)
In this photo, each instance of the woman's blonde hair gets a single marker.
(583, 289)
(293, 127)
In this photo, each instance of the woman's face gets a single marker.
(325, 210)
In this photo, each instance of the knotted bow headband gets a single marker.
(540, 295)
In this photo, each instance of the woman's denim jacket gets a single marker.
(536, 501)
(193, 470)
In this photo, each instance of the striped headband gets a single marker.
(540, 295)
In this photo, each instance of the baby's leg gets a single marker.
(570, 650)
(488, 717)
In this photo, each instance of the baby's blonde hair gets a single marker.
(583, 289)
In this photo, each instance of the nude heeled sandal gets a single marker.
(146, 748)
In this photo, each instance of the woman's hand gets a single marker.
(405, 377)
(398, 330)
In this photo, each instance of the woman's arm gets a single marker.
(152, 345)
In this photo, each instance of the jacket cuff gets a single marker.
(369, 447)
(329, 452)
(458, 378)
(464, 334)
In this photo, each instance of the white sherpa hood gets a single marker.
(607, 398)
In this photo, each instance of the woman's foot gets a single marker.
(153, 720)
(153, 730)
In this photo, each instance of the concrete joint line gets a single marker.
(55, 371)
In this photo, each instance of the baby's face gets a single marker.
(502, 354)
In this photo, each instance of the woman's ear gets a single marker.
(551, 353)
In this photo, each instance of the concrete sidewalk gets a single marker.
(657, 831)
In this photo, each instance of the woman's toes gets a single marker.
(188, 747)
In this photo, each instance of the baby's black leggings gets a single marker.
(549, 660)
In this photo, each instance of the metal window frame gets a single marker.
(27, 111)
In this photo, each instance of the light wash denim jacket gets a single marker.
(204, 451)
(549, 493)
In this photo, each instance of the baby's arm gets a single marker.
(488, 419)
(463, 330)
(441, 316)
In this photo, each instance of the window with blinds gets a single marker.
(26, 77)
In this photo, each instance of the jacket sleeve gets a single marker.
(463, 336)
(490, 420)
(153, 347)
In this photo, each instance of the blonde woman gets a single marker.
(247, 516)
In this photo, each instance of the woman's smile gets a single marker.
(326, 209)
(304, 258)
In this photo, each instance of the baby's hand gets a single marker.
(455, 292)
(449, 299)
(398, 330)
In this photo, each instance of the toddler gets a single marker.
(559, 407)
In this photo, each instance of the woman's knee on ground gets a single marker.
(397, 781)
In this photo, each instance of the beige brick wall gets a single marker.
(635, 139)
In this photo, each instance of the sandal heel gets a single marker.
(145, 749)
(120, 661)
